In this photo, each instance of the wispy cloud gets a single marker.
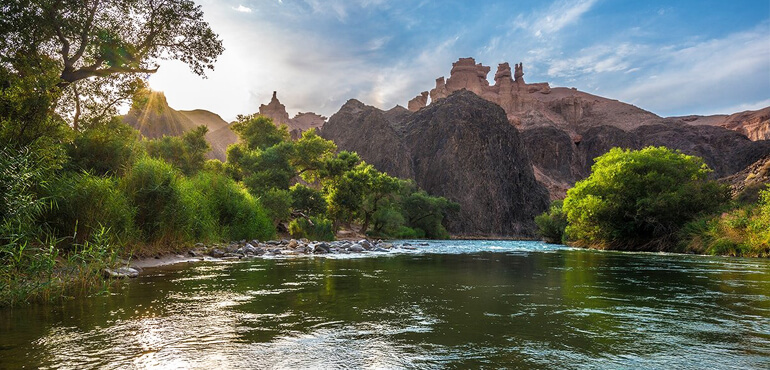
(242, 9)
(553, 19)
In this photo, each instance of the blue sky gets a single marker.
(668, 57)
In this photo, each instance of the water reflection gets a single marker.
(501, 305)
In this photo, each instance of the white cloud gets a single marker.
(242, 9)
(552, 20)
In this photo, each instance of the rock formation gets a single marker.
(419, 102)
(297, 125)
(275, 111)
(152, 116)
(366, 130)
(461, 147)
(754, 124)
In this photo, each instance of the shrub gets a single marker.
(105, 149)
(235, 212)
(152, 185)
(640, 199)
(82, 204)
(552, 223)
(187, 153)
(316, 228)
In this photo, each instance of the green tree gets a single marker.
(105, 148)
(259, 132)
(307, 200)
(277, 204)
(639, 199)
(552, 223)
(427, 213)
(311, 153)
(187, 153)
(93, 46)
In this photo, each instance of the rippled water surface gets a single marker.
(450, 304)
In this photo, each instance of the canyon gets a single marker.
(502, 151)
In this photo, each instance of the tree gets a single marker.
(307, 200)
(259, 132)
(311, 152)
(640, 199)
(426, 212)
(187, 153)
(93, 46)
(360, 192)
(99, 38)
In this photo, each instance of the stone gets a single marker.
(275, 111)
(292, 244)
(356, 248)
(121, 272)
(217, 253)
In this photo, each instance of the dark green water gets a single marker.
(450, 305)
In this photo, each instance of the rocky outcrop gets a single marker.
(366, 130)
(419, 102)
(297, 125)
(275, 111)
(748, 182)
(152, 116)
(754, 124)
(219, 141)
(461, 147)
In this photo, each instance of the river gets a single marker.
(451, 304)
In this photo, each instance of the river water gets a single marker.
(451, 304)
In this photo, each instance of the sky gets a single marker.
(668, 57)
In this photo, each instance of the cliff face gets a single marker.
(462, 148)
(366, 130)
(753, 124)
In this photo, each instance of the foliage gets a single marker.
(310, 154)
(187, 153)
(640, 199)
(259, 132)
(152, 185)
(427, 213)
(236, 213)
(277, 204)
(307, 200)
(743, 231)
(105, 149)
(82, 204)
(552, 223)
(315, 228)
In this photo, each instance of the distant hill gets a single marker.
(153, 117)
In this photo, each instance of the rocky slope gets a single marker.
(753, 124)
(462, 148)
(153, 117)
(366, 130)
(565, 129)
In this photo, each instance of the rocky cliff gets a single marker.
(565, 129)
(364, 129)
(462, 148)
(297, 125)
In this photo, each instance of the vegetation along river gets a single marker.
(457, 304)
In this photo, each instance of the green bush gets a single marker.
(552, 223)
(187, 153)
(640, 199)
(105, 149)
(82, 204)
(316, 228)
(743, 231)
(152, 185)
(236, 213)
